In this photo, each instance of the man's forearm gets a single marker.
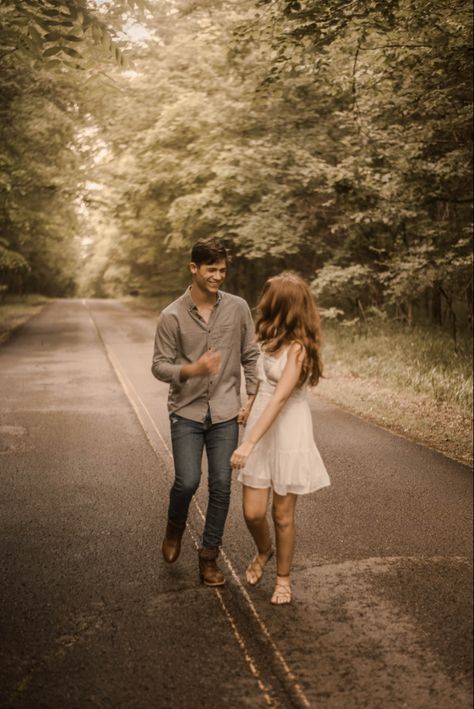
(168, 372)
(188, 371)
(250, 399)
(164, 371)
(206, 365)
(164, 366)
(249, 365)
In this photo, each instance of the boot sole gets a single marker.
(212, 585)
(169, 561)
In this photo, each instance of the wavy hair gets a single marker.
(287, 313)
(210, 250)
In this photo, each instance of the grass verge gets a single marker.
(16, 310)
(409, 381)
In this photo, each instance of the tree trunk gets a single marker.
(469, 297)
(452, 316)
(436, 311)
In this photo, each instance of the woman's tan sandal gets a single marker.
(281, 594)
(254, 571)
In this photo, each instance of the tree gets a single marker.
(47, 59)
(330, 138)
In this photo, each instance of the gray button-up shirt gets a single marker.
(182, 336)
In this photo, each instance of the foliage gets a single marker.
(47, 60)
(399, 189)
(11, 261)
(331, 138)
(52, 32)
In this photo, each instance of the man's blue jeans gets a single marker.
(188, 439)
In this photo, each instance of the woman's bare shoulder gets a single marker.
(297, 349)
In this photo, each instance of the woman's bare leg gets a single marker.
(255, 503)
(283, 512)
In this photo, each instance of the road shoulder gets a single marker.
(414, 416)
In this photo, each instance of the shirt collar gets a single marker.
(191, 305)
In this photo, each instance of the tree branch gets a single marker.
(410, 46)
(355, 107)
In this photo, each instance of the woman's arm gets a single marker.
(289, 380)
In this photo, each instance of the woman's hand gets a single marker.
(240, 455)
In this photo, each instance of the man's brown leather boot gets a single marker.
(208, 569)
(171, 545)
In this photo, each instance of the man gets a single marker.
(202, 339)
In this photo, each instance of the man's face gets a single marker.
(209, 277)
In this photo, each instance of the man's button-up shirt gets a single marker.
(182, 336)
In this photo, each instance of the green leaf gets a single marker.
(72, 52)
(51, 13)
(51, 51)
(54, 63)
(52, 36)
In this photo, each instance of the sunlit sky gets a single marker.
(135, 32)
(132, 30)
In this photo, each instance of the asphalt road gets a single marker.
(92, 618)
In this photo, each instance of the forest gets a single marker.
(333, 139)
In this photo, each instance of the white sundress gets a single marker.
(286, 457)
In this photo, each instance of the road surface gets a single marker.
(92, 617)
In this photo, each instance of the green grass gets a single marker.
(420, 360)
(15, 310)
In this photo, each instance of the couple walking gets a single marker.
(202, 340)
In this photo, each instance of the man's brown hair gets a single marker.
(207, 251)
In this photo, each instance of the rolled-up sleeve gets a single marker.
(249, 352)
(164, 366)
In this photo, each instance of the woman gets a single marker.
(278, 451)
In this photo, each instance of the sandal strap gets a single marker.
(256, 563)
(256, 560)
(282, 591)
(287, 587)
(256, 567)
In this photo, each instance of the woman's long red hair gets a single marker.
(287, 313)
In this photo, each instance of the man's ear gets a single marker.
(193, 267)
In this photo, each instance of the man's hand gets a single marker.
(244, 412)
(208, 364)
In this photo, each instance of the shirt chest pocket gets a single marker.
(223, 337)
(193, 343)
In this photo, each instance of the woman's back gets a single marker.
(270, 368)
